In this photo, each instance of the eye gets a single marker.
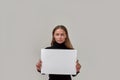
(62, 34)
(57, 34)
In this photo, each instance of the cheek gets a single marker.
(56, 37)
(63, 37)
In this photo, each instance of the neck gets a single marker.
(59, 45)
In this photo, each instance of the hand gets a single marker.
(78, 66)
(39, 65)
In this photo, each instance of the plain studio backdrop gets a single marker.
(26, 27)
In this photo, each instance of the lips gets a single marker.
(60, 40)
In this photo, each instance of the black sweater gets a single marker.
(57, 76)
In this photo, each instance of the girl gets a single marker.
(60, 40)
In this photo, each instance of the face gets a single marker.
(59, 36)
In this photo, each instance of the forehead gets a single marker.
(59, 30)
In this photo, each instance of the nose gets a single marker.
(60, 36)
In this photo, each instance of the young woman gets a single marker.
(60, 40)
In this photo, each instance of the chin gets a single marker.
(60, 42)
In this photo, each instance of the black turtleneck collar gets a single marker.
(57, 46)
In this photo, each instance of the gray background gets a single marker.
(26, 27)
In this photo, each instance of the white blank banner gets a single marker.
(58, 61)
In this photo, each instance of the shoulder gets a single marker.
(48, 47)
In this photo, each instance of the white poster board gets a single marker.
(58, 61)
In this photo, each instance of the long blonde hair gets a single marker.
(67, 40)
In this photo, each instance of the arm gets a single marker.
(78, 67)
(39, 65)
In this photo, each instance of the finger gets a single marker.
(40, 61)
(77, 61)
(37, 65)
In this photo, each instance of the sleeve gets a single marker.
(39, 71)
(76, 74)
